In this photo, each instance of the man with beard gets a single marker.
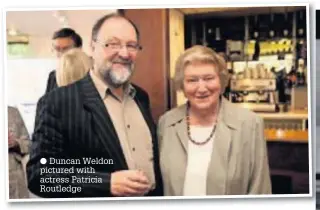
(102, 116)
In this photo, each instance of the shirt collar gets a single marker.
(103, 87)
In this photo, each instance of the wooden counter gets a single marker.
(298, 114)
(288, 151)
(286, 135)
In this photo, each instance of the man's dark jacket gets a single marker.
(71, 123)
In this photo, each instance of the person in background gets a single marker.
(102, 116)
(18, 149)
(63, 40)
(210, 146)
(73, 66)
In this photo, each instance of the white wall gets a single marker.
(41, 61)
(40, 46)
(27, 78)
(26, 83)
(40, 26)
(82, 21)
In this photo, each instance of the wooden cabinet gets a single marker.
(152, 66)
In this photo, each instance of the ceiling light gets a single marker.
(12, 32)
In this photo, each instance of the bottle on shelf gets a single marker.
(271, 27)
(300, 73)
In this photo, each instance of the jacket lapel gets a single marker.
(102, 124)
(178, 121)
(218, 167)
(182, 134)
(146, 117)
(181, 129)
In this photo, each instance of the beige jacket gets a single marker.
(239, 162)
(17, 178)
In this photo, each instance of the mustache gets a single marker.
(122, 61)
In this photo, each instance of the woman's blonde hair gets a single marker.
(73, 65)
(203, 55)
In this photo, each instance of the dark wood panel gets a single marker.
(152, 66)
(289, 167)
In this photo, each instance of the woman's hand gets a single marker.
(11, 140)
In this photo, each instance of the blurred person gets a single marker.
(62, 41)
(210, 146)
(103, 116)
(73, 66)
(18, 149)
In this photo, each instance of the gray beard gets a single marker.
(113, 79)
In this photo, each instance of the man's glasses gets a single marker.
(117, 46)
(61, 49)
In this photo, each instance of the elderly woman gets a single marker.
(210, 146)
(18, 146)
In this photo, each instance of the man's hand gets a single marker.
(129, 183)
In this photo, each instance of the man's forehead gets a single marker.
(117, 27)
(63, 41)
